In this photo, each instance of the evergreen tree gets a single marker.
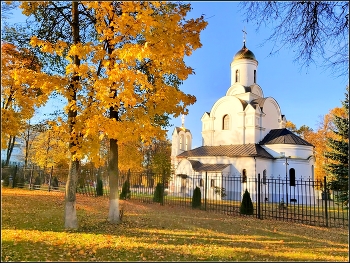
(338, 155)
(99, 187)
(196, 198)
(158, 193)
(125, 194)
(247, 204)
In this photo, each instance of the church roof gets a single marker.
(259, 102)
(178, 129)
(198, 166)
(283, 136)
(239, 150)
(244, 53)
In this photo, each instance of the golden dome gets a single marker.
(244, 53)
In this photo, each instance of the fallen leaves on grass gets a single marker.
(33, 231)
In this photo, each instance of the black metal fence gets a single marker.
(304, 200)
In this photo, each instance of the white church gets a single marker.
(243, 135)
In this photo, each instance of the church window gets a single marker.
(212, 183)
(201, 182)
(292, 177)
(225, 122)
(186, 147)
(254, 76)
(244, 176)
(264, 177)
(312, 172)
(237, 75)
(181, 142)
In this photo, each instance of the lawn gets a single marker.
(32, 230)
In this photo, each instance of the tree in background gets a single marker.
(23, 89)
(309, 28)
(337, 153)
(331, 142)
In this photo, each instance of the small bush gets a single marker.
(158, 193)
(247, 204)
(99, 187)
(54, 183)
(196, 198)
(125, 194)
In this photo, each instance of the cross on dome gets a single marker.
(244, 35)
(183, 120)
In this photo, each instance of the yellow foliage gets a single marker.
(141, 51)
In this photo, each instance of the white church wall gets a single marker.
(256, 89)
(272, 116)
(292, 150)
(246, 71)
(235, 89)
(231, 106)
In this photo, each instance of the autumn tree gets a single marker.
(146, 44)
(28, 136)
(338, 151)
(49, 148)
(23, 88)
(121, 83)
(312, 29)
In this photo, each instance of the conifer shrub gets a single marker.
(125, 194)
(54, 183)
(196, 198)
(247, 204)
(99, 187)
(158, 193)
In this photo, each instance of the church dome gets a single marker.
(244, 53)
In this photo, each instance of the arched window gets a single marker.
(201, 182)
(181, 141)
(225, 122)
(254, 76)
(186, 144)
(244, 176)
(212, 183)
(292, 177)
(264, 177)
(237, 75)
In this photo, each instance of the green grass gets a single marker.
(32, 230)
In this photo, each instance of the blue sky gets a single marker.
(303, 94)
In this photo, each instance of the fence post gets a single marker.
(14, 178)
(50, 178)
(325, 199)
(205, 192)
(31, 177)
(259, 196)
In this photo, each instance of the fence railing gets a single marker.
(304, 201)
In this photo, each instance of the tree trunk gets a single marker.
(70, 216)
(113, 173)
(10, 146)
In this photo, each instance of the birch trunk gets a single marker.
(113, 215)
(70, 215)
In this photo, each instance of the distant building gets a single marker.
(17, 156)
(243, 135)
